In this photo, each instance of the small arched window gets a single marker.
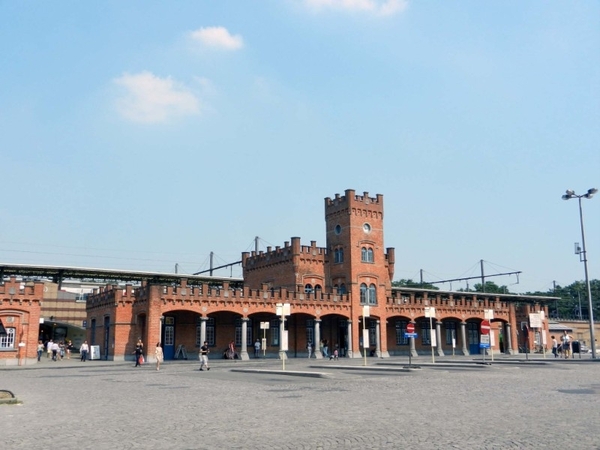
(370, 257)
(363, 254)
(308, 288)
(338, 255)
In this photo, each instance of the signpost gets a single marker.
(430, 312)
(536, 322)
(264, 326)
(366, 345)
(410, 334)
(282, 310)
(484, 341)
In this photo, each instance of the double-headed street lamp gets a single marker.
(589, 194)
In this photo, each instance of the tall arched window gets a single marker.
(318, 289)
(363, 294)
(366, 254)
(7, 341)
(372, 295)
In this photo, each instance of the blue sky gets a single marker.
(138, 135)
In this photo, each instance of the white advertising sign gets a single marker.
(535, 320)
(366, 338)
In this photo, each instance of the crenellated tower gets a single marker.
(357, 262)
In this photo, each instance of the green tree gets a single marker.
(492, 288)
(571, 297)
(414, 284)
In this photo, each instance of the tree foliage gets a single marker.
(573, 303)
(414, 284)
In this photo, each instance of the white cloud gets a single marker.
(378, 7)
(151, 99)
(218, 38)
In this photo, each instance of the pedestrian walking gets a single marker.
(231, 350)
(257, 348)
(69, 348)
(158, 354)
(40, 350)
(566, 344)
(139, 353)
(49, 348)
(83, 350)
(55, 350)
(204, 351)
(554, 347)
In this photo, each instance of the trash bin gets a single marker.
(575, 347)
(94, 352)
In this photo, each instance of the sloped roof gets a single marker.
(555, 326)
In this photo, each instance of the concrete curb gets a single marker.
(293, 373)
(442, 365)
(404, 368)
(8, 398)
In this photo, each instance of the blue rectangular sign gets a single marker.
(410, 335)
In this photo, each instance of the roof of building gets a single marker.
(555, 326)
(524, 298)
(60, 273)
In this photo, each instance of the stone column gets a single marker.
(412, 349)
(349, 349)
(244, 351)
(282, 353)
(438, 337)
(316, 348)
(203, 321)
(463, 338)
(378, 338)
(508, 341)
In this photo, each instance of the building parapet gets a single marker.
(111, 295)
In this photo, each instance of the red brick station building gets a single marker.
(326, 288)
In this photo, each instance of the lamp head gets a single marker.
(590, 193)
(570, 192)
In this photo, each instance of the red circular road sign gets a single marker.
(410, 328)
(485, 327)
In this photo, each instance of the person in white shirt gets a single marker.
(566, 344)
(257, 349)
(55, 349)
(83, 350)
(49, 348)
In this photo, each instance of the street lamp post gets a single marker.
(589, 194)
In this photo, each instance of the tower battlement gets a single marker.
(351, 201)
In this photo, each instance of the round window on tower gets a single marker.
(338, 229)
(367, 228)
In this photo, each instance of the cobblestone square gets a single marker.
(73, 405)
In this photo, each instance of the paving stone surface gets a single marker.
(106, 405)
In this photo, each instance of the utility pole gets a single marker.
(482, 276)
